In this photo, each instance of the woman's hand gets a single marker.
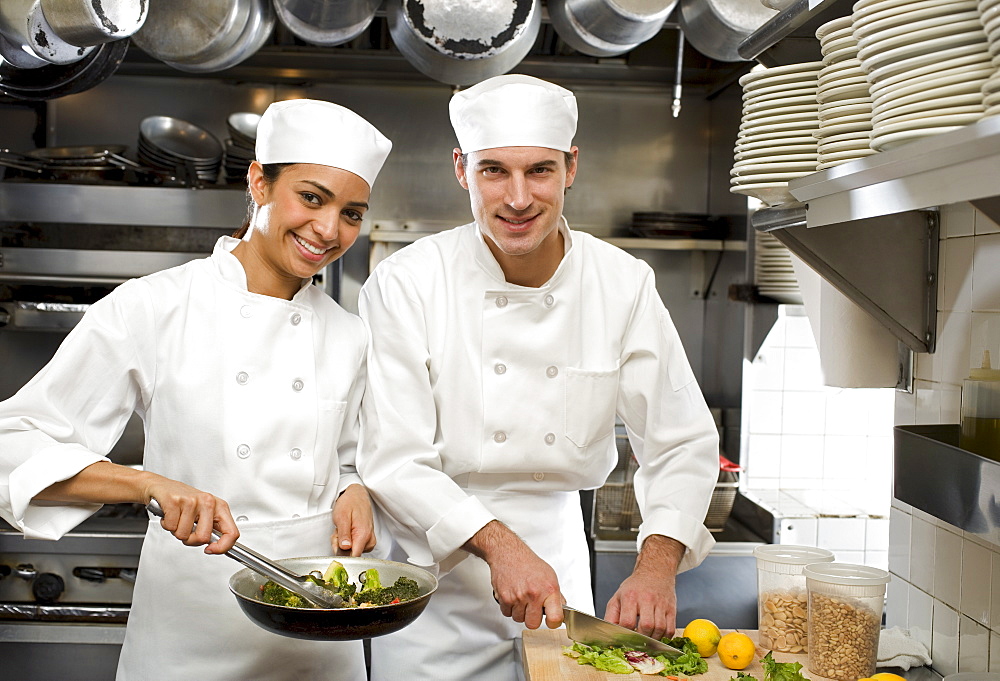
(191, 515)
(352, 514)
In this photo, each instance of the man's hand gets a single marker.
(525, 586)
(352, 516)
(646, 601)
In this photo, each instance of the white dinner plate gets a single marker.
(843, 128)
(912, 94)
(867, 25)
(882, 31)
(890, 126)
(780, 89)
(846, 155)
(892, 115)
(843, 92)
(933, 67)
(771, 150)
(934, 79)
(864, 13)
(780, 95)
(992, 111)
(791, 113)
(841, 76)
(770, 193)
(843, 81)
(991, 99)
(877, 45)
(844, 31)
(845, 120)
(773, 143)
(897, 139)
(837, 56)
(773, 168)
(856, 101)
(976, 51)
(777, 74)
(845, 139)
(755, 129)
(776, 158)
(931, 46)
(833, 27)
(839, 44)
(779, 103)
(833, 112)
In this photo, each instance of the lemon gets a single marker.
(736, 650)
(705, 635)
(886, 676)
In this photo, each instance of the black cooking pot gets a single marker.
(339, 624)
(50, 82)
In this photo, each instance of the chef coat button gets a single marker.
(297, 385)
(296, 318)
(295, 453)
(243, 451)
(245, 311)
(241, 519)
(552, 372)
(242, 378)
(538, 477)
(499, 436)
(550, 438)
(296, 515)
(500, 368)
(501, 301)
(549, 300)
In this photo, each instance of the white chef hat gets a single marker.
(312, 131)
(514, 111)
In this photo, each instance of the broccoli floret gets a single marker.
(403, 589)
(338, 580)
(370, 580)
(275, 594)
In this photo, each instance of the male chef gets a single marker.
(502, 352)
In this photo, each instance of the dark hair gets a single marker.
(272, 171)
(567, 155)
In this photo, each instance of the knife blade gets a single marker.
(593, 631)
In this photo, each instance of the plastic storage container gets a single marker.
(781, 594)
(981, 411)
(845, 618)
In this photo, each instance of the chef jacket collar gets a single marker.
(231, 269)
(486, 259)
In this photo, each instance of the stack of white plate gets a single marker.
(927, 62)
(989, 15)
(773, 273)
(845, 105)
(777, 140)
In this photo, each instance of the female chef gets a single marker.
(248, 380)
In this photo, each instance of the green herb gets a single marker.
(775, 671)
(688, 664)
(613, 660)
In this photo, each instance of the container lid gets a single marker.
(985, 372)
(792, 555)
(846, 573)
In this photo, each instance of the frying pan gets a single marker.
(342, 624)
(54, 80)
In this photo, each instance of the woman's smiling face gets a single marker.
(307, 218)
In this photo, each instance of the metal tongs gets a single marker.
(301, 585)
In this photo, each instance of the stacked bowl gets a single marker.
(240, 146)
(776, 142)
(926, 62)
(179, 148)
(989, 15)
(845, 105)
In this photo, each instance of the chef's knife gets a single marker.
(592, 631)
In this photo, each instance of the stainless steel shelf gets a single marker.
(790, 36)
(120, 205)
(961, 165)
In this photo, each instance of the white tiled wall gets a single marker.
(951, 578)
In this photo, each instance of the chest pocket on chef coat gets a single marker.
(591, 397)
(328, 431)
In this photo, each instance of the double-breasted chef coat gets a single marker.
(491, 400)
(252, 398)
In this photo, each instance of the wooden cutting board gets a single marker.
(543, 659)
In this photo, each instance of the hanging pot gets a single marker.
(92, 22)
(326, 22)
(605, 28)
(463, 45)
(717, 27)
(52, 81)
(24, 25)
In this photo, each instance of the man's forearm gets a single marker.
(494, 539)
(660, 554)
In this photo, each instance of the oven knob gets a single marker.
(47, 587)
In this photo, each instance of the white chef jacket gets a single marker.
(491, 400)
(250, 397)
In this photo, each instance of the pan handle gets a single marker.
(262, 565)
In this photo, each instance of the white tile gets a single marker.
(842, 534)
(845, 413)
(765, 411)
(844, 456)
(951, 364)
(896, 603)
(803, 413)
(984, 225)
(800, 531)
(994, 652)
(973, 646)
(767, 484)
(920, 615)
(985, 336)
(958, 219)
(802, 369)
(878, 473)
(944, 639)
(986, 274)
(937, 402)
(767, 370)
(955, 289)
(922, 554)
(904, 409)
(927, 517)
(948, 567)
(976, 574)
(880, 405)
(844, 556)
(902, 506)
(995, 595)
(877, 559)
(763, 456)
(899, 542)
(798, 333)
(877, 534)
(801, 459)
